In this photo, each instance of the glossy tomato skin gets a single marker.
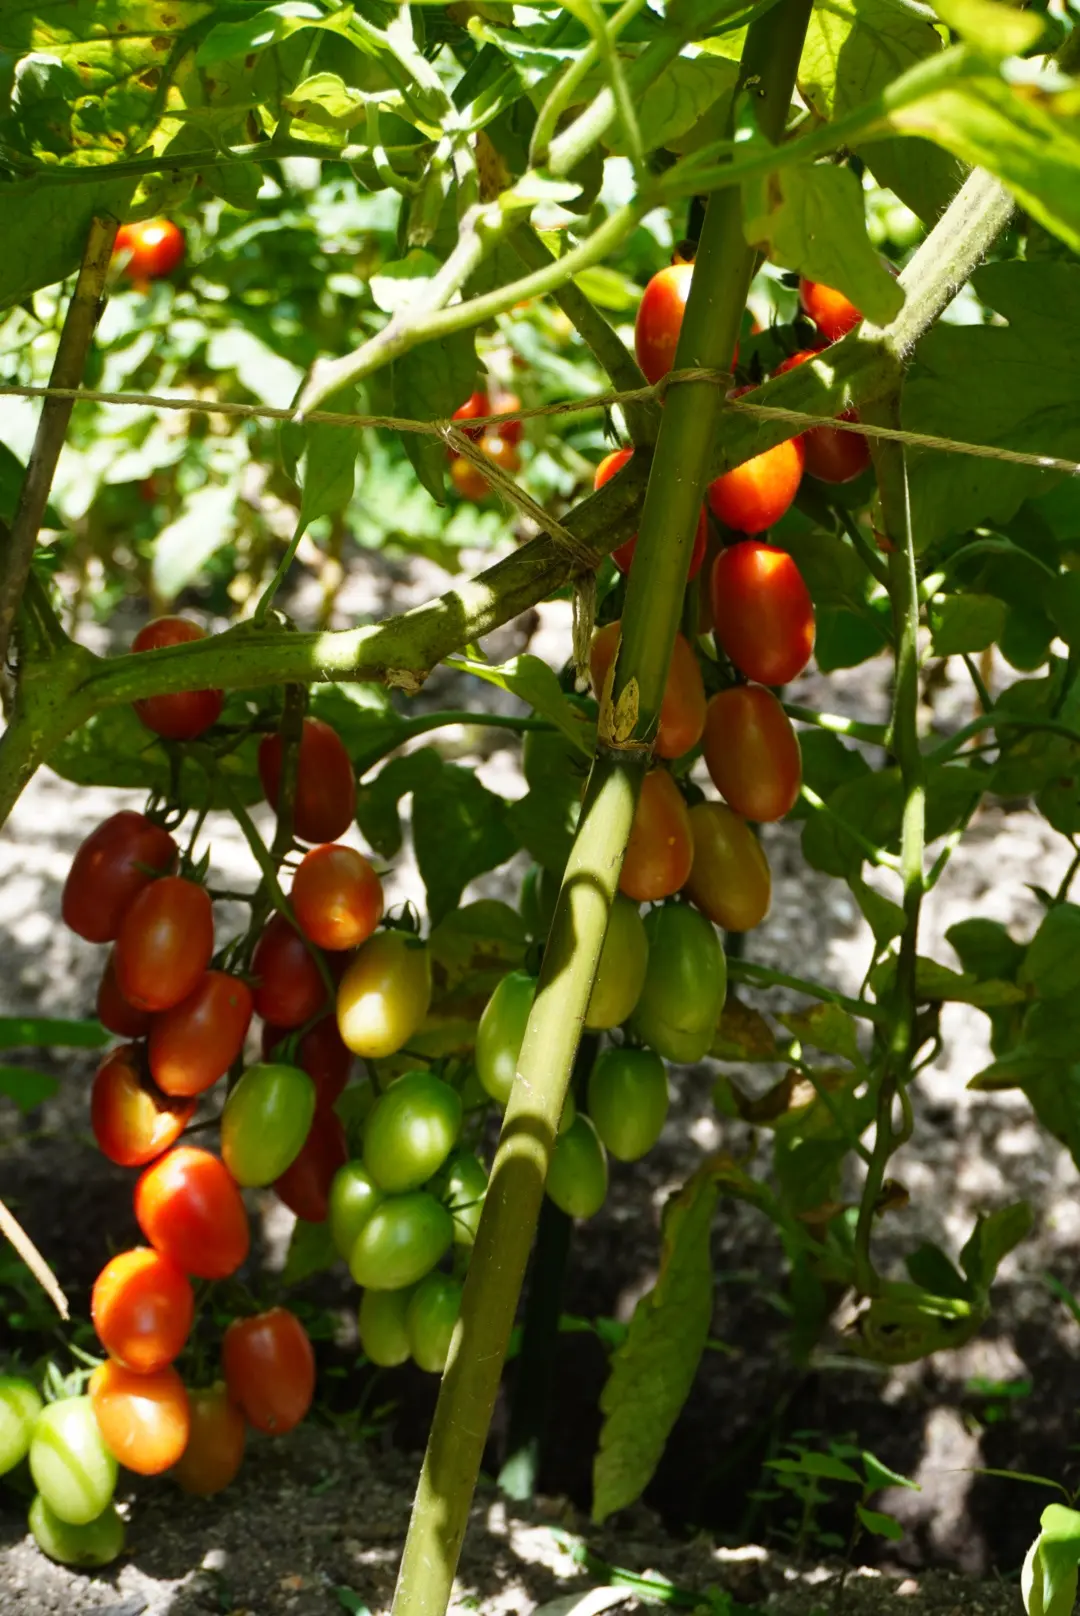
(304, 1186)
(682, 711)
(143, 1419)
(354, 1196)
(685, 985)
(72, 1468)
(165, 942)
(430, 1319)
(763, 612)
(410, 1131)
(196, 1042)
(661, 846)
(113, 865)
(113, 1010)
(624, 554)
(577, 1178)
(830, 456)
(337, 897)
(621, 971)
(476, 406)
(628, 1101)
(156, 247)
(270, 1369)
(461, 1186)
(384, 994)
(97, 1543)
(20, 1405)
(730, 881)
(185, 714)
(751, 497)
(501, 1031)
(659, 319)
(189, 1208)
(384, 1336)
(752, 752)
(832, 313)
(142, 1306)
(402, 1240)
(215, 1445)
(289, 988)
(469, 480)
(266, 1120)
(321, 1053)
(131, 1119)
(325, 782)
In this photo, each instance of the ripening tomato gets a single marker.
(577, 1178)
(501, 451)
(501, 1031)
(624, 555)
(270, 1369)
(751, 497)
(682, 711)
(354, 1195)
(196, 1042)
(461, 1187)
(510, 432)
(320, 1053)
(475, 407)
(832, 313)
(385, 994)
(628, 1101)
(72, 1468)
(164, 944)
(763, 612)
(468, 480)
(113, 865)
(266, 1120)
(185, 714)
(215, 1444)
(20, 1405)
(155, 247)
(661, 847)
(730, 880)
(325, 782)
(659, 319)
(113, 1010)
(304, 1186)
(337, 897)
(142, 1306)
(143, 1419)
(430, 1319)
(402, 1240)
(752, 752)
(132, 1120)
(830, 455)
(384, 1337)
(97, 1543)
(410, 1131)
(189, 1208)
(685, 985)
(289, 988)
(621, 970)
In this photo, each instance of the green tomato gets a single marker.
(411, 1130)
(20, 1406)
(461, 1186)
(385, 994)
(430, 1319)
(401, 1241)
(628, 1101)
(539, 893)
(577, 1178)
(685, 984)
(381, 1320)
(96, 1543)
(72, 1468)
(620, 975)
(354, 1195)
(501, 1031)
(266, 1120)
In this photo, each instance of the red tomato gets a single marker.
(337, 897)
(763, 612)
(132, 1120)
(322, 1053)
(753, 496)
(624, 555)
(752, 752)
(188, 713)
(270, 1369)
(325, 782)
(164, 944)
(110, 869)
(659, 319)
(189, 1208)
(143, 1419)
(831, 456)
(156, 247)
(215, 1445)
(661, 846)
(196, 1042)
(113, 1010)
(142, 1306)
(289, 989)
(832, 313)
(476, 406)
(468, 479)
(304, 1186)
(682, 712)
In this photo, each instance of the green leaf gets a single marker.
(377, 803)
(403, 283)
(997, 30)
(311, 1251)
(743, 1034)
(460, 830)
(991, 1240)
(1052, 1028)
(533, 682)
(824, 1465)
(878, 1475)
(265, 28)
(365, 718)
(985, 948)
(929, 1267)
(687, 89)
(844, 640)
(827, 1027)
(183, 546)
(1054, 1093)
(653, 1371)
(115, 749)
(1052, 964)
(1041, 1598)
(45, 230)
(46, 1032)
(429, 382)
(544, 823)
(481, 937)
(329, 461)
(880, 1525)
(26, 1088)
(885, 918)
(966, 623)
(1059, 1553)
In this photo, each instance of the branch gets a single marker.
(14, 1232)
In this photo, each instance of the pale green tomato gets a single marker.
(578, 1177)
(266, 1120)
(72, 1468)
(432, 1313)
(628, 1100)
(385, 994)
(20, 1406)
(621, 972)
(381, 1320)
(95, 1543)
(461, 1186)
(501, 1031)
(410, 1131)
(354, 1195)
(401, 1242)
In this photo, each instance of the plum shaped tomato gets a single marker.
(430, 1317)
(461, 1186)
(289, 987)
(186, 714)
(142, 1306)
(659, 319)
(354, 1195)
(830, 455)
(304, 1186)
(321, 1053)
(325, 782)
(215, 1445)
(165, 942)
(661, 846)
(410, 1131)
(752, 752)
(97, 1543)
(402, 1240)
(624, 555)
(113, 1010)
(763, 613)
(682, 712)
(475, 407)
(266, 1120)
(270, 1369)
(685, 985)
(621, 971)
(501, 1031)
(577, 1179)
(143, 1419)
(751, 497)
(113, 865)
(832, 313)
(188, 1206)
(468, 479)
(196, 1041)
(385, 994)
(20, 1405)
(73, 1470)
(381, 1321)
(155, 247)
(628, 1100)
(730, 880)
(132, 1120)
(337, 897)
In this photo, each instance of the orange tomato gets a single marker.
(682, 712)
(752, 752)
(215, 1445)
(270, 1369)
(132, 1120)
(660, 851)
(832, 313)
(751, 497)
(762, 610)
(189, 1208)
(624, 555)
(337, 897)
(143, 1419)
(729, 881)
(142, 1306)
(830, 456)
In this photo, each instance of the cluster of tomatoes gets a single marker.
(499, 442)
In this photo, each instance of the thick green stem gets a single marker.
(763, 976)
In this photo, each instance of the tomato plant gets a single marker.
(143, 1418)
(763, 613)
(430, 1318)
(382, 1326)
(384, 994)
(730, 880)
(337, 897)
(628, 1101)
(500, 1031)
(752, 752)
(320, 1052)
(164, 943)
(266, 1121)
(685, 984)
(189, 1208)
(289, 986)
(110, 869)
(73, 1470)
(325, 783)
(410, 1131)
(661, 848)
(577, 1179)
(621, 971)
(400, 1241)
(623, 554)
(682, 713)
(188, 714)
(215, 1446)
(830, 455)
(133, 1121)
(354, 1195)
(142, 1306)
(195, 1042)
(270, 1369)
(153, 247)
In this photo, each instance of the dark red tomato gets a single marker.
(763, 613)
(753, 496)
(752, 752)
(289, 989)
(831, 456)
(132, 1120)
(325, 782)
(142, 1306)
(113, 1010)
(196, 1042)
(337, 897)
(155, 246)
(188, 713)
(624, 555)
(304, 1186)
(110, 869)
(215, 1445)
(143, 1419)
(832, 313)
(322, 1053)
(189, 1208)
(661, 846)
(475, 407)
(164, 943)
(270, 1369)
(682, 712)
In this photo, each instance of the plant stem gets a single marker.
(763, 976)
(836, 724)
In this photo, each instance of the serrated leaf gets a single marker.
(377, 803)
(25, 1087)
(1052, 962)
(827, 1027)
(533, 682)
(743, 1034)
(476, 945)
(965, 623)
(880, 1525)
(311, 1251)
(365, 718)
(229, 40)
(429, 382)
(991, 1240)
(115, 749)
(45, 231)
(687, 90)
(460, 830)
